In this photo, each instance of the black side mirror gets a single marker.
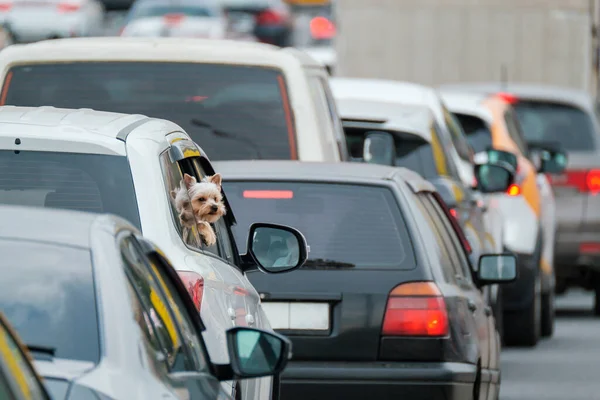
(497, 268)
(274, 248)
(494, 177)
(494, 156)
(379, 148)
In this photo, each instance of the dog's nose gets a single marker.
(214, 208)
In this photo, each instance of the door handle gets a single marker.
(472, 306)
(488, 310)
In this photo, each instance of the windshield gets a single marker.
(349, 225)
(569, 126)
(47, 294)
(153, 10)
(233, 112)
(478, 133)
(83, 182)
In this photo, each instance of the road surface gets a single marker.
(565, 367)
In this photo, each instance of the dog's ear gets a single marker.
(173, 194)
(216, 179)
(189, 180)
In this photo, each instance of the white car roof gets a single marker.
(80, 130)
(156, 49)
(416, 120)
(467, 103)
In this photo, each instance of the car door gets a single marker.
(482, 313)
(176, 351)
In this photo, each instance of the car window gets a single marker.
(17, 368)
(74, 181)
(477, 131)
(514, 131)
(162, 327)
(237, 112)
(152, 9)
(569, 126)
(457, 134)
(433, 238)
(47, 293)
(192, 338)
(356, 226)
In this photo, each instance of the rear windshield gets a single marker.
(233, 112)
(569, 126)
(412, 152)
(83, 182)
(47, 294)
(357, 226)
(477, 131)
(154, 10)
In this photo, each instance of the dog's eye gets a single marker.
(201, 199)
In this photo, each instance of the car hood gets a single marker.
(60, 368)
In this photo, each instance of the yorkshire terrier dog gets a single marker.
(207, 204)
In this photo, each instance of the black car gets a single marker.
(387, 305)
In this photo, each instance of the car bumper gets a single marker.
(567, 254)
(382, 380)
(518, 295)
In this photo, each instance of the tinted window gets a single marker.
(458, 135)
(478, 133)
(156, 10)
(83, 182)
(353, 224)
(47, 294)
(246, 108)
(571, 127)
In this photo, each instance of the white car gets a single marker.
(241, 100)
(30, 21)
(128, 165)
(188, 18)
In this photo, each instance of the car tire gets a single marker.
(523, 328)
(548, 314)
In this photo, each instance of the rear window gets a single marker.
(47, 294)
(345, 225)
(154, 10)
(81, 182)
(477, 131)
(569, 126)
(234, 112)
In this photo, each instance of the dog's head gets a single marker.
(206, 197)
(181, 199)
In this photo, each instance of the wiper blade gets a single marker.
(34, 348)
(326, 263)
(227, 135)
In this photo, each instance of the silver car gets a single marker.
(33, 20)
(106, 316)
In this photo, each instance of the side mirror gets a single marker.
(255, 353)
(494, 177)
(379, 148)
(274, 248)
(553, 162)
(497, 268)
(494, 156)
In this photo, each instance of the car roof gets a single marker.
(98, 129)
(342, 172)
(467, 103)
(161, 49)
(416, 120)
(528, 91)
(380, 90)
(54, 226)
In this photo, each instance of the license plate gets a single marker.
(298, 316)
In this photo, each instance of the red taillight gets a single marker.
(589, 248)
(509, 98)
(269, 17)
(454, 212)
(173, 19)
(513, 190)
(5, 6)
(322, 28)
(68, 7)
(415, 309)
(583, 180)
(194, 283)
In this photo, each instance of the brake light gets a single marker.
(415, 309)
(589, 248)
(269, 17)
(583, 180)
(268, 194)
(322, 28)
(194, 284)
(68, 7)
(454, 212)
(173, 19)
(509, 98)
(513, 190)
(5, 6)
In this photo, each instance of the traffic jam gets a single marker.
(299, 200)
